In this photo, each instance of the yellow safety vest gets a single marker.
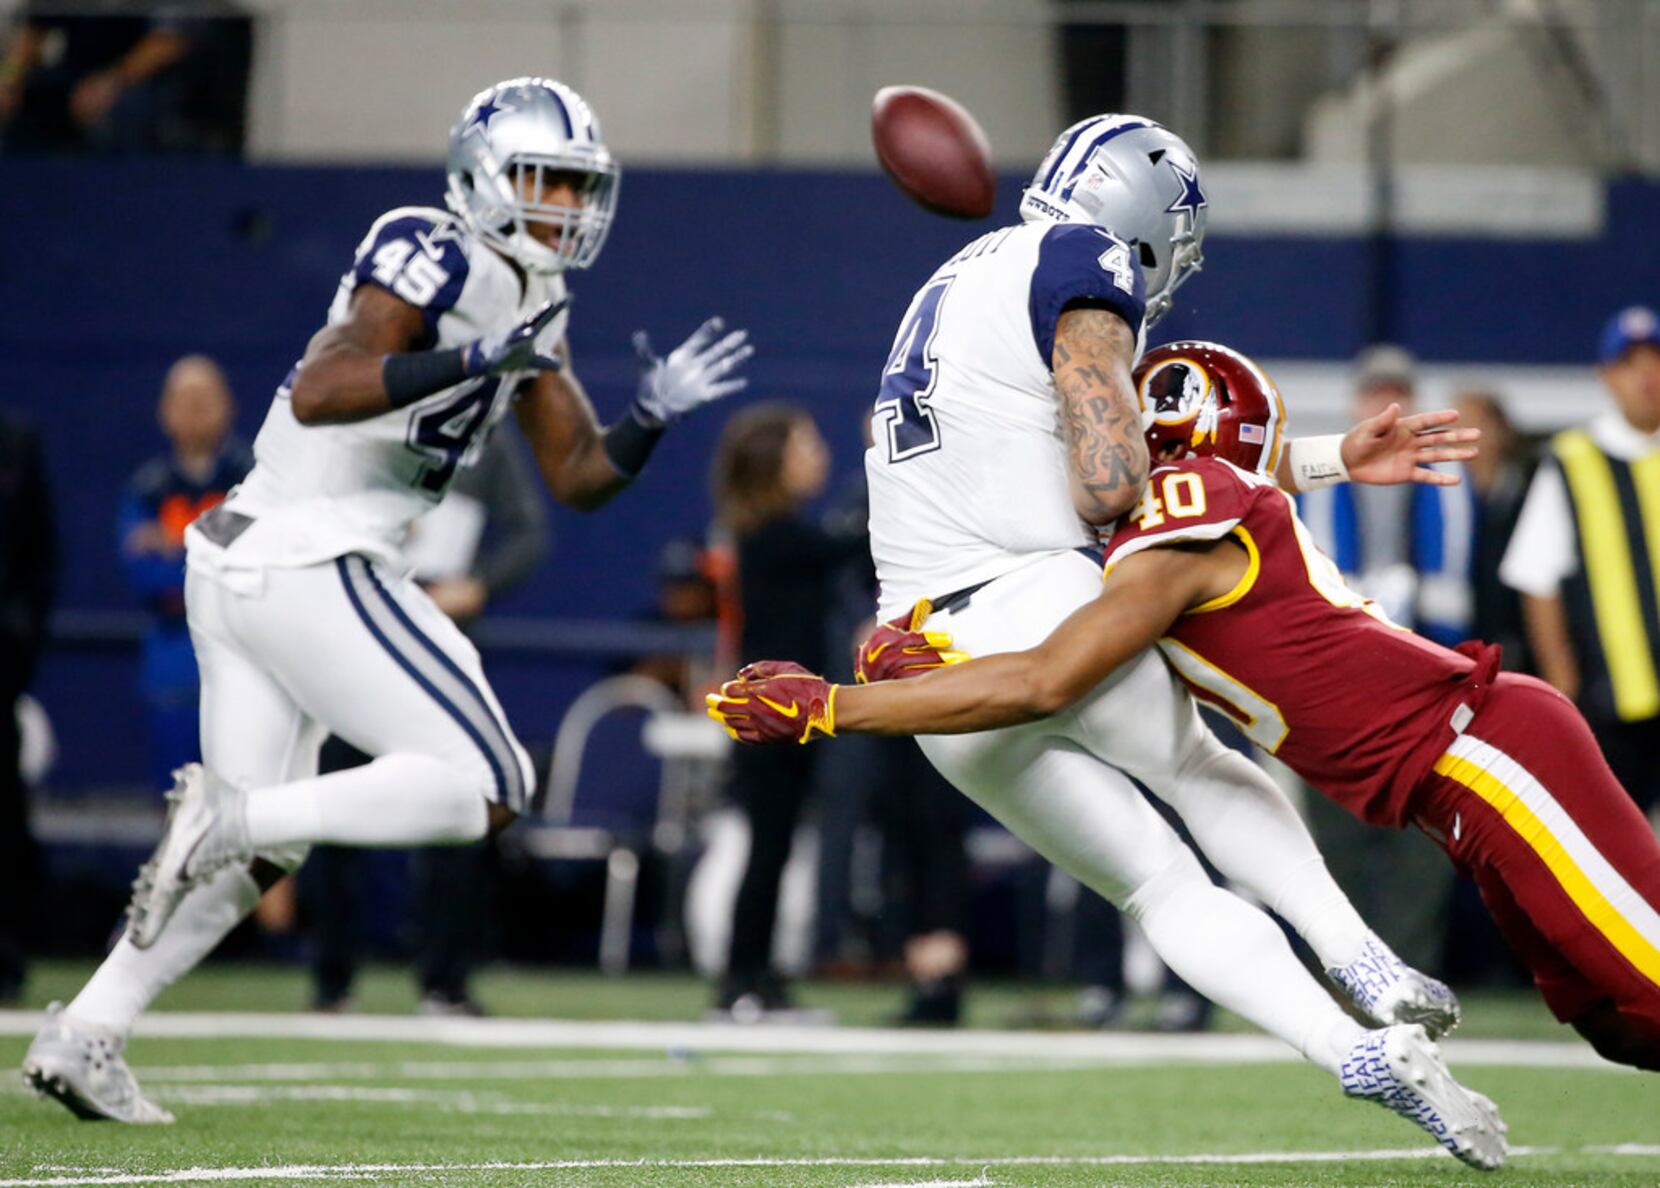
(1613, 601)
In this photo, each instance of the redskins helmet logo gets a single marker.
(1175, 391)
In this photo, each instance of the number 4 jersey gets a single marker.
(1310, 670)
(967, 467)
(321, 491)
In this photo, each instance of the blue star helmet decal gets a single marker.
(1191, 197)
(482, 114)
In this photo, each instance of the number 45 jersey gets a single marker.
(1310, 670)
(322, 491)
(968, 467)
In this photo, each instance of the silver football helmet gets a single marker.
(1136, 179)
(511, 139)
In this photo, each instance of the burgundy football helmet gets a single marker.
(1205, 398)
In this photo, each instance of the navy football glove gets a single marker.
(513, 349)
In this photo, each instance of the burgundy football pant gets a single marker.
(1566, 863)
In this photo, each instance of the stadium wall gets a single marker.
(110, 270)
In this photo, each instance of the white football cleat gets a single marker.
(206, 830)
(1401, 1068)
(1390, 991)
(80, 1065)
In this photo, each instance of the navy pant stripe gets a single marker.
(515, 776)
(403, 662)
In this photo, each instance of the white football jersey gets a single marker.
(322, 491)
(968, 471)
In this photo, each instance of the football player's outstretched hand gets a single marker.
(1397, 447)
(514, 349)
(900, 649)
(775, 701)
(696, 372)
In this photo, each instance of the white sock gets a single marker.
(130, 978)
(1249, 831)
(1310, 900)
(398, 800)
(1233, 954)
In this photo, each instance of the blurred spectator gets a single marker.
(125, 76)
(28, 575)
(488, 535)
(770, 461)
(685, 594)
(1498, 476)
(1408, 548)
(925, 829)
(203, 462)
(1583, 557)
(922, 817)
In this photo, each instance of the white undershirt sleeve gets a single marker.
(1543, 551)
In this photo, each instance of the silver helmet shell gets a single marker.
(1134, 178)
(543, 127)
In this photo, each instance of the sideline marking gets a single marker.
(1077, 1047)
(672, 1065)
(358, 1171)
(460, 1101)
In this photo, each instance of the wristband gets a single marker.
(628, 443)
(410, 375)
(1317, 462)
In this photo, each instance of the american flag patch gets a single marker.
(1252, 433)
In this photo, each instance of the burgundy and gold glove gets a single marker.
(775, 701)
(900, 649)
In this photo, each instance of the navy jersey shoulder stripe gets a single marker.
(1076, 262)
(419, 258)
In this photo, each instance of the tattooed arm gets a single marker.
(1099, 414)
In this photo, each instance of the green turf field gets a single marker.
(501, 1104)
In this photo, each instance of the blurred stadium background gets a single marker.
(1477, 181)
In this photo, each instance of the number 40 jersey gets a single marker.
(1310, 670)
(968, 467)
(321, 491)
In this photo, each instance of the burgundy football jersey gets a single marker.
(1310, 670)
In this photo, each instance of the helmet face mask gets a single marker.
(1137, 180)
(1209, 400)
(517, 142)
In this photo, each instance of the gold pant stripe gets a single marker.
(1612, 576)
(1569, 874)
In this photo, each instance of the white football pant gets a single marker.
(1060, 785)
(288, 656)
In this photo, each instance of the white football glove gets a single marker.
(693, 374)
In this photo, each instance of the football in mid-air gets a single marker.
(934, 150)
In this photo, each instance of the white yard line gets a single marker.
(365, 1170)
(458, 1101)
(979, 1182)
(691, 1038)
(625, 1068)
